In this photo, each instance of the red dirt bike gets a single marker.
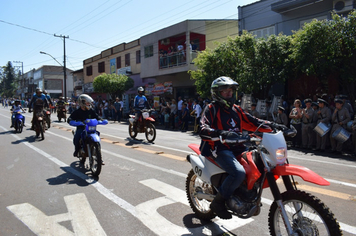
(293, 212)
(62, 113)
(144, 125)
(39, 123)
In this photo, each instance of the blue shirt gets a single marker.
(140, 102)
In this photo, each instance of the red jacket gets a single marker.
(216, 118)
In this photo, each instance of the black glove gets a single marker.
(223, 133)
(278, 126)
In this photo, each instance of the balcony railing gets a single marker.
(173, 59)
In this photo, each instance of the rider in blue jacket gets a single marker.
(16, 108)
(140, 103)
(38, 102)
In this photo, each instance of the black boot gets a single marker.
(219, 208)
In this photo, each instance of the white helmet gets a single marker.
(85, 100)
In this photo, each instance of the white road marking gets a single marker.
(147, 211)
(120, 202)
(80, 213)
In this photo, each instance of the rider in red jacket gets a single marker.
(218, 119)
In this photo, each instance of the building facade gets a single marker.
(78, 81)
(159, 61)
(168, 54)
(51, 78)
(267, 17)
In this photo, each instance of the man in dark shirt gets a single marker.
(81, 114)
(218, 119)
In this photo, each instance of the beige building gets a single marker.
(160, 61)
(169, 68)
(124, 58)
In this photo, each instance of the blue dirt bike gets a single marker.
(19, 121)
(90, 144)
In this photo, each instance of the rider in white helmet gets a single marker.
(140, 103)
(223, 118)
(84, 112)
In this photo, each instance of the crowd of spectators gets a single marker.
(174, 55)
(305, 114)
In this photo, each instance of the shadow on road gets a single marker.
(198, 227)
(74, 174)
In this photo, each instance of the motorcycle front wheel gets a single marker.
(150, 132)
(95, 160)
(306, 213)
(19, 126)
(41, 126)
(201, 207)
(132, 132)
(48, 122)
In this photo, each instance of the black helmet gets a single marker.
(140, 90)
(219, 84)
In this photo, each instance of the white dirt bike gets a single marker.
(293, 212)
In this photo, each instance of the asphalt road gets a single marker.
(141, 190)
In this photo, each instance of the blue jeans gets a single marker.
(77, 136)
(227, 160)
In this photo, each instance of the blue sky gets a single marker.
(28, 27)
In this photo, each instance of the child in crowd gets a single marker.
(176, 121)
(166, 119)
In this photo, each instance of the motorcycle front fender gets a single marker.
(150, 119)
(94, 137)
(301, 171)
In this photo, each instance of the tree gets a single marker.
(113, 84)
(256, 64)
(8, 81)
(328, 49)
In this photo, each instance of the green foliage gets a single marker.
(321, 48)
(113, 84)
(254, 63)
(8, 81)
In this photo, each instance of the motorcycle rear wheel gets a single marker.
(95, 160)
(19, 126)
(317, 219)
(150, 132)
(201, 207)
(132, 132)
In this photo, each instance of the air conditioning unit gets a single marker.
(341, 6)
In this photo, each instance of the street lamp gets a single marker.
(64, 72)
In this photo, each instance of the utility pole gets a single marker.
(64, 64)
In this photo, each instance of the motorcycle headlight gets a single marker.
(280, 153)
(92, 128)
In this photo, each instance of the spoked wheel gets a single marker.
(201, 207)
(307, 216)
(41, 127)
(132, 132)
(19, 126)
(150, 132)
(95, 160)
(48, 122)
